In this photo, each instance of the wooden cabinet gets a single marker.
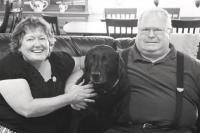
(77, 10)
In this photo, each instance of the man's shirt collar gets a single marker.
(136, 56)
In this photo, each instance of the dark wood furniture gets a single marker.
(73, 13)
(121, 27)
(120, 13)
(186, 26)
(173, 12)
(6, 15)
(77, 11)
(53, 21)
(16, 14)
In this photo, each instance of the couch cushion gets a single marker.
(84, 43)
(79, 45)
(64, 43)
(123, 43)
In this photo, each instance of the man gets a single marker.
(155, 105)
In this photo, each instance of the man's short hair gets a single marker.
(159, 12)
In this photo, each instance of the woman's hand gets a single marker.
(79, 106)
(71, 84)
(81, 93)
(83, 104)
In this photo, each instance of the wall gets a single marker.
(188, 8)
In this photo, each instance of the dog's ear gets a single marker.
(86, 63)
(86, 69)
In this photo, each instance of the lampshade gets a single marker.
(156, 2)
(197, 3)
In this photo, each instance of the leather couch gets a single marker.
(79, 45)
(74, 45)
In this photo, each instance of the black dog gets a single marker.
(105, 70)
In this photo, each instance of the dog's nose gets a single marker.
(95, 76)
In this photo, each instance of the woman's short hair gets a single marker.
(30, 22)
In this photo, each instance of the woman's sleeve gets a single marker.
(11, 68)
(64, 64)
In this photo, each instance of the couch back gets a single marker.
(74, 45)
(79, 45)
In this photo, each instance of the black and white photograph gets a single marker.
(99, 66)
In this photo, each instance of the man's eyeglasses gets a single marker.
(156, 31)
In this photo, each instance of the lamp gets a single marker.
(156, 2)
(197, 3)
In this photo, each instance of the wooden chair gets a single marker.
(4, 24)
(121, 27)
(16, 13)
(16, 17)
(186, 26)
(53, 21)
(120, 13)
(174, 12)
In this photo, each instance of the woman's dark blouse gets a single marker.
(13, 67)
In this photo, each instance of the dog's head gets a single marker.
(103, 66)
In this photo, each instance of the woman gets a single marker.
(33, 94)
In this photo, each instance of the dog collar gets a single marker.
(104, 91)
(116, 82)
